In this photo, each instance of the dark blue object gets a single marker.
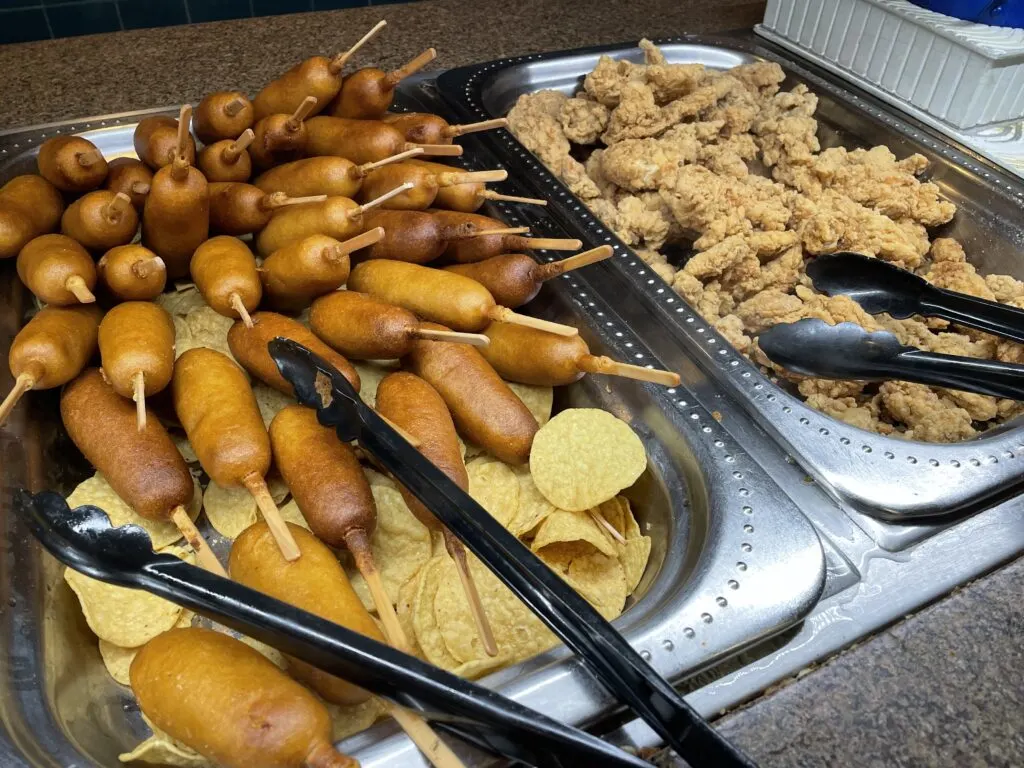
(999, 13)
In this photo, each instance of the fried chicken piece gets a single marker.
(1004, 288)
(781, 273)
(638, 115)
(928, 416)
(605, 83)
(1009, 409)
(864, 414)
(761, 77)
(910, 332)
(704, 202)
(984, 348)
(768, 308)
(652, 53)
(785, 130)
(720, 258)
(658, 264)
(834, 309)
(833, 222)
(830, 388)
(639, 164)
(980, 407)
(707, 300)
(728, 157)
(873, 178)
(583, 121)
(959, 276)
(669, 82)
(731, 327)
(947, 249)
(640, 224)
(1009, 352)
(594, 166)
(571, 171)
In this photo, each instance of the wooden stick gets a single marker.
(113, 210)
(234, 106)
(473, 339)
(601, 521)
(359, 545)
(489, 194)
(554, 244)
(437, 150)
(76, 285)
(179, 166)
(89, 157)
(140, 188)
(556, 268)
(484, 125)
(257, 486)
(506, 315)
(235, 149)
(279, 199)
(339, 61)
(410, 439)
(239, 307)
(139, 396)
(302, 112)
(143, 268)
(506, 231)
(368, 238)
(423, 736)
(392, 79)
(476, 607)
(470, 177)
(22, 384)
(204, 555)
(365, 168)
(382, 199)
(609, 367)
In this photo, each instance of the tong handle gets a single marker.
(986, 377)
(613, 661)
(982, 315)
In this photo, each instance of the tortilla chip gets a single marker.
(495, 487)
(370, 373)
(291, 513)
(229, 510)
(270, 401)
(538, 399)
(424, 621)
(181, 301)
(585, 456)
(118, 660)
(533, 510)
(353, 718)
(161, 750)
(403, 608)
(97, 492)
(598, 578)
(206, 328)
(562, 526)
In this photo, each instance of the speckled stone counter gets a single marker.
(122, 71)
(943, 688)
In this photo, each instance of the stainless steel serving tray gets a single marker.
(883, 477)
(734, 561)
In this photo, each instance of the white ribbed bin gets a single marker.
(963, 73)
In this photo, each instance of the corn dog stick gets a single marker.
(609, 367)
(116, 207)
(233, 150)
(359, 545)
(470, 177)
(257, 486)
(280, 199)
(556, 268)
(410, 68)
(484, 125)
(438, 150)
(598, 518)
(239, 307)
(204, 555)
(383, 198)
(473, 339)
(553, 244)
(365, 168)
(489, 194)
(506, 315)
(339, 61)
(423, 736)
(139, 396)
(476, 607)
(506, 231)
(22, 384)
(76, 285)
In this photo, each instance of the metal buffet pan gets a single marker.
(733, 561)
(883, 477)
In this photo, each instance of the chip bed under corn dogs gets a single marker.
(442, 354)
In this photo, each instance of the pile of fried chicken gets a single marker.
(728, 165)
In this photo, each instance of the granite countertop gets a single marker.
(945, 687)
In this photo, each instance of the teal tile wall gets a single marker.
(25, 20)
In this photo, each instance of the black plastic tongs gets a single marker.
(83, 539)
(846, 351)
(604, 652)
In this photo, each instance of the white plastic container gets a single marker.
(962, 73)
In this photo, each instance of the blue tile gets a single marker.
(139, 14)
(218, 10)
(327, 5)
(83, 19)
(275, 7)
(22, 26)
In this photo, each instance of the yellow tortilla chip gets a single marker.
(118, 660)
(403, 608)
(400, 544)
(160, 750)
(97, 492)
(125, 617)
(598, 578)
(472, 451)
(291, 513)
(185, 448)
(370, 373)
(270, 401)
(278, 489)
(373, 477)
(495, 487)
(533, 510)
(634, 556)
(474, 670)
(352, 719)
(562, 526)
(206, 328)
(424, 621)
(518, 633)
(229, 510)
(270, 652)
(585, 456)
(538, 399)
